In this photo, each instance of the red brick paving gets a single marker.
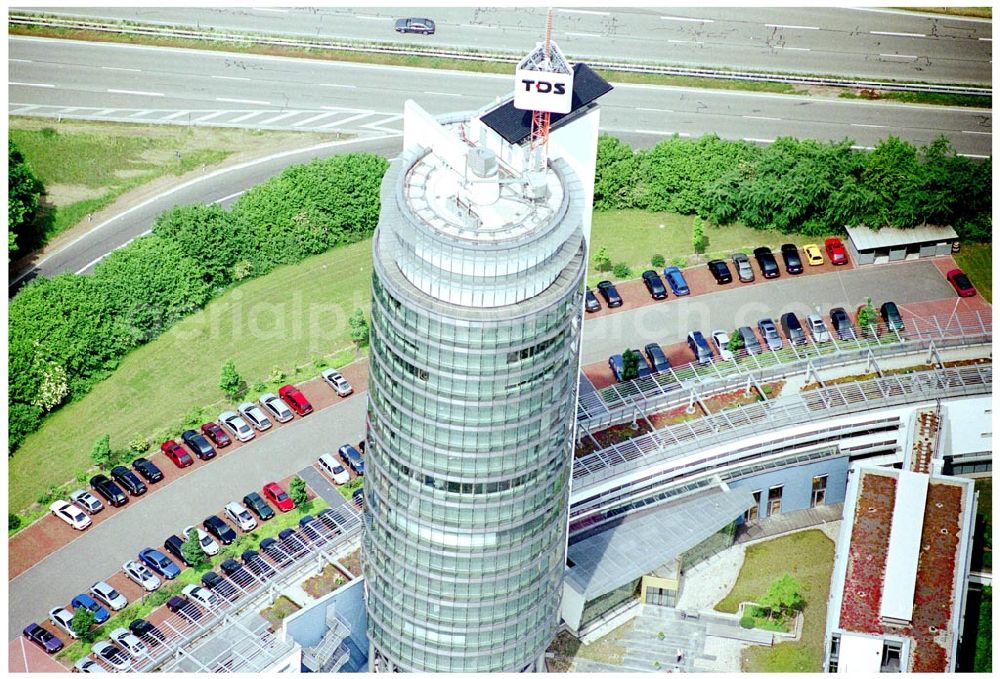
(26, 656)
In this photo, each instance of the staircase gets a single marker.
(329, 655)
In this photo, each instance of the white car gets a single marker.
(86, 500)
(104, 592)
(62, 619)
(132, 644)
(203, 596)
(112, 655)
(277, 407)
(208, 545)
(71, 514)
(817, 328)
(337, 381)
(140, 575)
(721, 340)
(88, 665)
(238, 514)
(333, 469)
(255, 416)
(236, 426)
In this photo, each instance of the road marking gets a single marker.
(313, 119)
(347, 110)
(762, 141)
(24, 109)
(662, 133)
(216, 114)
(137, 93)
(244, 101)
(350, 119)
(117, 68)
(858, 147)
(972, 155)
(898, 56)
(371, 18)
(706, 21)
(866, 125)
(657, 110)
(792, 49)
(804, 28)
(140, 113)
(231, 195)
(278, 117)
(106, 111)
(175, 115)
(475, 26)
(443, 94)
(29, 61)
(346, 87)
(900, 35)
(921, 15)
(760, 118)
(247, 116)
(583, 11)
(584, 35)
(33, 84)
(269, 9)
(987, 39)
(976, 132)
(686, 42)
(229, 77)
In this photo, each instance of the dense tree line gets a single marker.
(70, 331)
(24, 190)
(799, 186)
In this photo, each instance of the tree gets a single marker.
(867, 317)
(359, 328)
(230, 381)
(14, 521)
(698, 238)
(192, 551)
(100, 453)
(630, 364)
(83, 620)
(735, 341)
(23, 193)
(602, 260)
(206, 234)
(783, 596)
(297, 491)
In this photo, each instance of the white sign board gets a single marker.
(541, 91)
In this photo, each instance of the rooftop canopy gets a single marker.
(865, 238)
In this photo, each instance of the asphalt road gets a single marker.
(863, 43)
(101, 550)
(670, 321)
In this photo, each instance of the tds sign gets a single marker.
(540, 91)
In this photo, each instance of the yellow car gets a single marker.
(813, 255)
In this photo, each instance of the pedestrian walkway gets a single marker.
(786, 523)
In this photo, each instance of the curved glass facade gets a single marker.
(471, 418)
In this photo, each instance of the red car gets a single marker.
(961, 283)
(216, 434)
(278, 496)
(295, 399)
(836, 251)
(176, 454)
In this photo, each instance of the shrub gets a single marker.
(100, 453)
(359, 328)
(602, 260)
(192, 551)
(630, 364)
(747, 622)
(14, 521)
(622, 270)
(867, 317)
(230, 381)
(698, 238)
(657, 261)
(679, 262)
(259, 387)
(139, 445)
(277, 375)
(297, 491)
(735, 341)
(83, 620)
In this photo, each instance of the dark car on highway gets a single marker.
(890, 314)
(147, 470)
(109, 490)
(219, 529)
(591, 304)
(720, 272)
(658, 359)
(841, 323)
(198, 444)
(291, 541)
(273, 549)
(768, 265)
(256, 504)
(793, 262)
(792, 328)
(147, 631)
(610, 294)
(654, 285)
(127, 478)
(415, 25)
(182, 607)
(49, 642)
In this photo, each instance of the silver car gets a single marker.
(112, 655)
(207, 543)
(769, 331)
(132, 644)
(140, 575)
(238, 514)
(743, 269)
(107, 594)
(203, 596)
(236, 426)
(817, 328)
(63, 619)
(86, 500)
(88, 665)
(337, 381)
(277, 407)
(255, 416)
(721, 341)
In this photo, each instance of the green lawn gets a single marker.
(292, 317)
(976, 260)
(808, 557)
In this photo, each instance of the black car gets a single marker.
(654, 284)
(257, 565)
(310, 529)
(219, 529)
(147, 631)
(173, 544)
(182, 607)
(842, 323)
(127, 478)
(699, 347)
(891, 316)
(48, 642)
(328, 517)
(720, 272)
(793, 262)
(258, 505)
(415, 25)
(768, 265)
(218, 584)
(592, 304)
(358, 498)
(198, 444)
(659, 361)
(792, 328)
(147, 470)
(352, 458)
(291, 541)
(273, 549)
(109, 490)
(234, 570)
(610, 295)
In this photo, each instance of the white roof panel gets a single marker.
(865, 238)
(859, 655)
(904, 546)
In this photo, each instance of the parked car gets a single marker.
(101, 614)
(147, 470)
(358, 498)
(699, 347)
(140, 575)
(720, 272)
(176, 454)
(309, 527)
(813, 255)
(675, 279)
(963, 286)
(415, 25)
(295, 399)
(129, 642)
(338, 382)
(147, 631)
(63, 619)
(126, 478)
(644, 369)
(220, 586)
(256, 564)
(841, 323)
(88, 666)
(276, 407)
(236, 425)
(112, 655)
(750, 342)
(817, 328)
(657, 359)
(184, 608)
(205, 541)
(276, 494)
(159, 563)
(45, 639)
(86, 500)
(836, 251)
(591, 304)
(768, 265)
(721, 341)
(617, 365)
(610, 294)
(352, 458)
(653, 284)
(255, 416)
(216, 434)
(71, 514)
(220, 529)
(891, 316)
(256, 504)
(792, 328)
(108, 595)
(198, 443)
(238, 514)
(770, 333)
(273, 549)
(793, 263)
(234, 571)
(202, 595)
(291, 541)
(109, 490)
(333, 469)
(174, 545)
(743, 269)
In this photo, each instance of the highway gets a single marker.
(853, 42)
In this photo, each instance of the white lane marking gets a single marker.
(350, 119)
(762, 141)
(137, 93)
(118, 68)
(140, 113)
(313, 119)
(760, 118)
(229, 77)
(976, 132)
(33, 84)
(972, 155)
(345, 109)
(792, 49)
(106, 111)
(443, 94)
(280, 116)
(210, 116)
(858, 147)
(661, 132)
(29, 61)
(584, 35)
(898, 56)
(475, 26)
(804, 28)
(244, 101)
(247, 116)
(231, 195)
(346, 87)
(686, 42)
(918, 15)
(269, 9)
(707, 21)
(582, 11)
(24, 109)
(987, 39)
(371, 18)
(658, 110)
(866, 125)
(899, 35)
(174, 115)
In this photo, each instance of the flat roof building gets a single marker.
(889, 244)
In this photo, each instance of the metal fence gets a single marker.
(625, 401)
(243, 645)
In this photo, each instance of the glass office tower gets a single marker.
(476, 313)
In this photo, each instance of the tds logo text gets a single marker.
(543, 87)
